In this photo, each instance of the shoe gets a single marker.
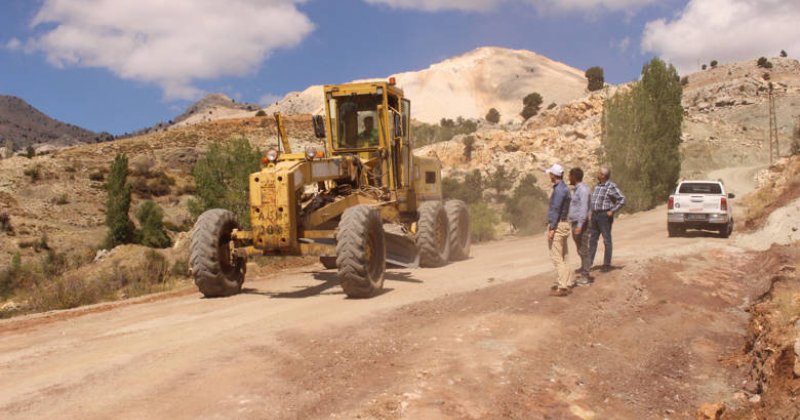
(553, 287)
(606, 269)
(560, 292)
(583, 281)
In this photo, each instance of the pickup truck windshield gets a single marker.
(700, 188)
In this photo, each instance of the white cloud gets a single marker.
(724, 30)
(172, 43)
(623, 44)
(14, 44)
(486, 5)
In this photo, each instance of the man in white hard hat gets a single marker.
(558, 230)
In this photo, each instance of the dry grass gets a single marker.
(778, 193)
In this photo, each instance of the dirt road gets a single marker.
(478, 338)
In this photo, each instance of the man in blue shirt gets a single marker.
(579, 220)
(558, 231)
(605, 202)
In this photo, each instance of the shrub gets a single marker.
(552, 105)
(783, 53)
(526, 210)
(142, 165)
(60, 200)
(34, 173)
(684, 80)
(97, 176)
(470, 191)
(30, 152)
(483, 222)
(713, 64)
(469, 146)
(704, 66)
(425, 134)
(493, 116)
(180, 269)
(222, 178)
(151, 220)
(68, 292)
(501, 181)
(261, 113)
(5, 223)
(118, 203)
(595, 77)
(531, 105)
(764, 63)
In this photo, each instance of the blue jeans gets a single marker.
(601, 224)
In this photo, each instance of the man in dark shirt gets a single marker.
(605, 202)
(558, 231)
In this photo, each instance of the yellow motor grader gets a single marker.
(359, 203)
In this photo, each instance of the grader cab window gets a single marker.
(356, 121)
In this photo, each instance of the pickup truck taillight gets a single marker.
(723, 204)
(671, 203)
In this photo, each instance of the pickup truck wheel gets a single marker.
(458, 224)
(433, 235)
(216, 272)
(726, 231)
(361, 252)
(673, 230)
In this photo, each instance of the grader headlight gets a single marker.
(311, 153)
(272, 155)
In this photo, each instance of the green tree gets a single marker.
(704, 66)
(118, 203)
(642, 136)
(473, 187)
(526, 210)
(531, 105)
(713, 64)
(501, 181)
(783, 54)
(596, 78)
(493, 116)
(30, 152)
(483, 222)
(151, 220)
(222, 178)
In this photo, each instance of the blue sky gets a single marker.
(120, 65)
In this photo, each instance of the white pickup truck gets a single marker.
(700, 205)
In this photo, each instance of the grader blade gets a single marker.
(401, 250)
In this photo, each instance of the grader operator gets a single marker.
(359, 203)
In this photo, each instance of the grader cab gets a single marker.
(360, 202)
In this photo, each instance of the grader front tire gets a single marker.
(361, 252)
(458, 225)
(216, 272)
(433, 235)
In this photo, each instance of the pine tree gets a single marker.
(120, 227)
(642, 136)
(151, 220)
(596, 78)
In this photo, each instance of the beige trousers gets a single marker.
(558, 253)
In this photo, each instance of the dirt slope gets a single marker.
(469, 340)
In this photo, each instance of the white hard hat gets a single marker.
(556, 170)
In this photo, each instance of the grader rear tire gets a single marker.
(216, 272)
(433, 234)
(458, 224)
(361, 252)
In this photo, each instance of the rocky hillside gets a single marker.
(469, 85)
(26, 126)
(725, 124)
(215, 106)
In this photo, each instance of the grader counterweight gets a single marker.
(360, 202)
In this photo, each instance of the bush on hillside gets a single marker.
(531, 105)
(118, 203)
(151, 221)
(713, 64)
(469, 147)
(425, 134)
(222, 178)
(493, 116)
(764, 63)
(783, 54)
(483, 222)
(596, 78)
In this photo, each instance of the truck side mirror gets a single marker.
(319, 126)
(731, 195)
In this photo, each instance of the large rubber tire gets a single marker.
(215, 272)
(361, 252)
(672, 230)
(726, 231)
(433, 235)
(458, 225)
